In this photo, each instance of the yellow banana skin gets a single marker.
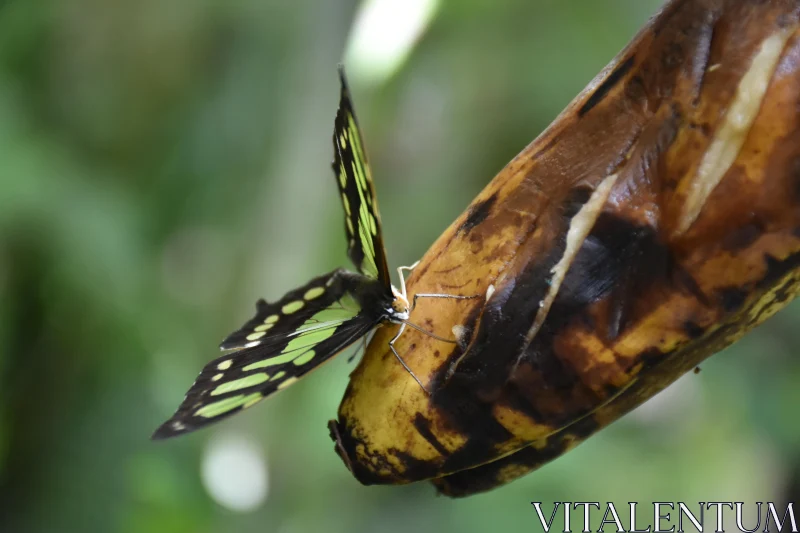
(653, 223)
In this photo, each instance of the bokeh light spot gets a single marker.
(383, 34)
(234, 472)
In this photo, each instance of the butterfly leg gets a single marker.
(437, 295)
(397, 355)
(424, 295)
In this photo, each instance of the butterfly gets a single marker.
(309, 325)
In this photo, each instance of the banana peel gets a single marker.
(655, 222)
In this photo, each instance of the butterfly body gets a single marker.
(391, 306)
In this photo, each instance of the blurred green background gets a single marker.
(165, 163)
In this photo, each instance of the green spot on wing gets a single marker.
(316, 292)
(291, 307)
(253, 399)
(271, 361)
(241, 383)
(228, 404)
(308, 339)
(330, 315)
(321, 326)
(304, 357)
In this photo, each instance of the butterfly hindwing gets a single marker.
(300, 339)
(362, 219)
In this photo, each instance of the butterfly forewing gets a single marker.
(362, 220)
(287, 315)
(306, 328)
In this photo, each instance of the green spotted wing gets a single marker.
(362, 220)
(281, 343)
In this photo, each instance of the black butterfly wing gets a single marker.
(353, 175)
(307, 327)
